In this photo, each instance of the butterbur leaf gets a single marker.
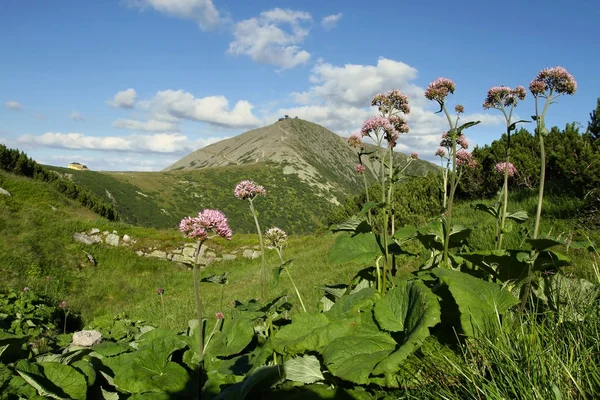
(356, 224)
(353, 357)
(262, 377)
(550, 260)
(305, 369)
(368, 206)
(54, 380)
(276, 274)
(478, 301)
(361, 248)
(411, 308)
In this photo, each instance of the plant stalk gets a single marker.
(291, 280)
(198, 304)
(263, 271)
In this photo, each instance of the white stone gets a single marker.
(126, 238)
(248, 253)
(158, 254)
(112, 239)
(85, 239)
(229, 257)
(94, 231)
(256, 254)
(86, 338)
(5, 192)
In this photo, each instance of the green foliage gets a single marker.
(11, 160)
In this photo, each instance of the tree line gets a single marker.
(17, 162)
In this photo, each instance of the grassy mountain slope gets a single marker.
(304, 167)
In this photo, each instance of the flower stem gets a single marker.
(211, 335)
(505, 193)
(279, 251)
(162, 302)
(263, 271)
(367, 194)
(198, 303)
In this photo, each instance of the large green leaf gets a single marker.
(410, 308)
(360, 248)
(5, 375)
(149, 368)
(54, 380)
(354, 303)
(305, 369)
(307, 331)
(504, 265)
(353, 357)
(478, 301)
(261, 378)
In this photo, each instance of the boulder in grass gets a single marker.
(86, 338)
(5, 192)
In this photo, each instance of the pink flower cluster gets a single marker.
(414, 156)
(359, 168)
(447, 143)
(247, 190)
(464, 158)
(504, 96)
(439, 89)
(555, 79)
(459, 109)
(355, 140)
(441, 152)
(208, 220)
(276, 237)
(512, 170)
(376, 125)
(392, 100)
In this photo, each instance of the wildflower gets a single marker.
(277, 237)
(392, 100)
(503, 96)
(464, 158)
(376, 125)
(219, 315)
(462, 141)
(160, 291)
(355, 140)
(248, 190)
(399, 124)
(440, 152)
(557, 80)
(445, 142)
(26, 289)
(208, 220)
(439, 89)
(63, 304)
(500, 167)
(360, 168)
(414, 156)
(459, 109)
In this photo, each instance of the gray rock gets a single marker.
(157, 254)
(256, 254)
(190, 251)
(177, 251)
(85, 239)
(181, 259)
(86, 338)
(217, 259)
(112, 239)
(229, 257)
(140, 253)
(105, 233)
(248, 253)
(94, 231)
(126, 238)
(5, 192)
(115, 232)
(210, 254)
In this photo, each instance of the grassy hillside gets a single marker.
(37, 223)
(162, 199)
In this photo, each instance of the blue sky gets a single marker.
(137, 84)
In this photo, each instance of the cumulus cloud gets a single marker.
(152, 125)
(123, 99)
(273, 38)
(331, 21)
(214, 110)
(13, 105)
(340, 98)
(203, 12)
(111, 162)
(76, 116)
(161, 143)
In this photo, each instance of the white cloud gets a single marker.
(123, 99)
(165, 143)
(264, 39)
(76, 116)
(341, 95)
(330, 21)
(110, 162)
(203, 12)
(13, 105)
(152, 125)
(214, 110)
